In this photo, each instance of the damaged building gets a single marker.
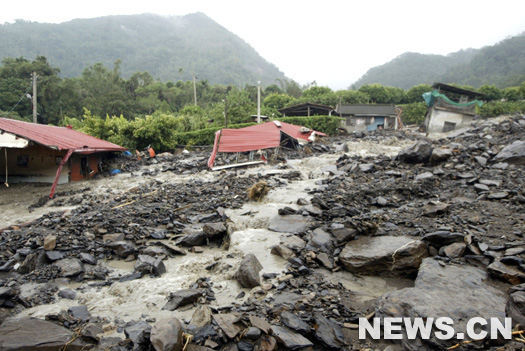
(39, 153)
(450, 107)
(368, 117)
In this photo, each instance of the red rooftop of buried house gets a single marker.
(30, 138)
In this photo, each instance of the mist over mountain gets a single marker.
(502, 64)
(169, 48)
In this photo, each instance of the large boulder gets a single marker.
(31, 334)
(384, 255)
(419, 152)
(513, 153)
(515, 307)
(434, 289)
(248, 272)
(166, 335)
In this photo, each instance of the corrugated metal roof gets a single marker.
(366, 110)
(60, 138)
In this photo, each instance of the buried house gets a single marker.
(32, 152)
(263, 136)
(368, 117)
(449, 108)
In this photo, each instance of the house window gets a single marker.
(448, 126)
(22, 160)
(58, 159)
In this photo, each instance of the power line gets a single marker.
(23, 96)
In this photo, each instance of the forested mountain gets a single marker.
(502, 65)
(170, 49)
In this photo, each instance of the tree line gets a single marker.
(132, 111)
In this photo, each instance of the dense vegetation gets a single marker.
(502, 65)
(141, 111)
(169, 48)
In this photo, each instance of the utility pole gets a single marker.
(194, 89)
(226, 112)
(34, 98)
(258, 101)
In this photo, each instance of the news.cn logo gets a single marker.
(391, 328)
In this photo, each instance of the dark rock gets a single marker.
(31, 334)
(192, 239)
(434, 209)
(482, 161)
(91, 331)
(295, 323)
(513, 153)
(204, 333)
(454, 250)
(341, 233)
(289, 339)
(506, 273)
(424, 176)
(325, 260)
(67, 294)
(149, 265)
(79, 312)
(244, 346)
(248, 272)
(498, 195)
(435, 288)
(253, 333)
(286, 211)
(202, 316)
(166, 335)
(122, 248)
(515, 308)
(214, 229)
(88, 258)
(138, 333)
(320, 240)
(181, 298)
(293, 242)
(328, 332)
(54, 255)
(440, 155)
(282, 251)
(419, 152)
(229, 323)
(481, 187)
(443, 238)
(69, 267)
(383, 255)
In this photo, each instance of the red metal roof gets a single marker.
(257, 137)
(60, 138)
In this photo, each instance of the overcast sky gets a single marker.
(331, 42)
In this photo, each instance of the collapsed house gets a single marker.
(38, 153)
(306, 109)
(368, 117)
(263, 136)
(447, 112)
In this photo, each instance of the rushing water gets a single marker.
(144, 298)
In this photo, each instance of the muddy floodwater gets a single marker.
(144, 298)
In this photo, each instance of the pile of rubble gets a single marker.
(446, 215)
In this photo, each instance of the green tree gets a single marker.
(352, 97)
(378, 94)
(319, 95)
(512, 94)
(491, 92)
(276, 101)
(415, 93)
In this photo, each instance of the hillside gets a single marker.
(502, 64)
(168, 48)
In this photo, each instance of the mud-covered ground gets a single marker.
(348, 189)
